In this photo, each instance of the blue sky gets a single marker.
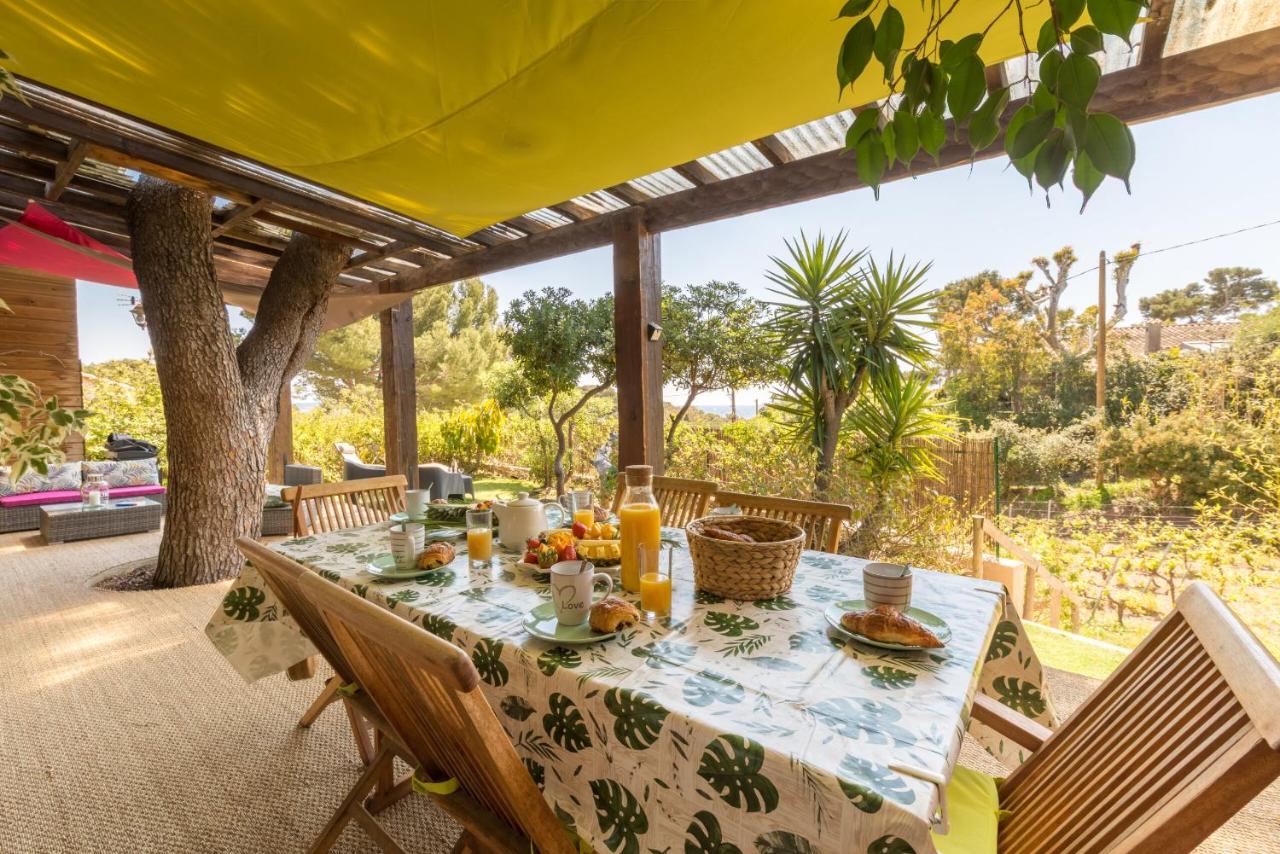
(1191, 181)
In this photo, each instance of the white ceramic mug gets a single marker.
(572, 583)
(416, 501)
(407, 542)
(887, 584)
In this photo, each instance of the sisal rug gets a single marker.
(122, 730)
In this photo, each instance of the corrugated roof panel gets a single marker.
(1199, 23)
(732, 162)
(819, 136)
(600, 202)
(663, 183)
(506, 232)
(555, 219)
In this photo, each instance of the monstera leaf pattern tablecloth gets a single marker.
(737, 727)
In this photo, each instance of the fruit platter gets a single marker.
(597, 542)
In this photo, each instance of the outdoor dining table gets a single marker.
(731, 727)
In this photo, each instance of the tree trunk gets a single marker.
(733, 404)
(558, 425)
(220, 402)
(677, 418)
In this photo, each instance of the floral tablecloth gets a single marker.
(735, 727)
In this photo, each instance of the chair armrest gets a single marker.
(1019, 729)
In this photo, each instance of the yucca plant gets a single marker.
(843, 321)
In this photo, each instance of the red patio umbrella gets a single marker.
(41, 241)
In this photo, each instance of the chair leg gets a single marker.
(352, 808)
(360, 731)
(327, 696)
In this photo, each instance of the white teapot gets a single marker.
(524, 519)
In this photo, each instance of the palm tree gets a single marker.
(844, 322)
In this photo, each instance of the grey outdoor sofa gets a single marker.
(440, 478)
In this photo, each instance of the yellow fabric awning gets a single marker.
(461, 113)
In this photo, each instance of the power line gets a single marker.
(1144, 254)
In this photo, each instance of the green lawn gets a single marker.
(1075, 655)
(502, 488)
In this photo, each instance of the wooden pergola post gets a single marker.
(280, 447)
(399, 395)
(637, 315)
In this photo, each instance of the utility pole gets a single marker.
(1101, 391)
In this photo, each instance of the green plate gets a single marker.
(542, 623)
(401, 518)
(932, 622)
(384, 566)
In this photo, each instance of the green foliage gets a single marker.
(842, 324)
(712, 341)
(556, 340)
(930, 79)
(1186, 456)
(32, 427)
(1226, 292)
(124, 397)
(1031, 455)
(456, 348)
(470, 434)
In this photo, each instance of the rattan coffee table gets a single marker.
(62, 522)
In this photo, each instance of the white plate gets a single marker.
(384, 566)
(541, 622)
(930, 621)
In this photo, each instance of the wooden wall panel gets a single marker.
(39, 339)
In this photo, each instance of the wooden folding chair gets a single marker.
(427, 691)
(1182, 735)
(821, 521)
(322, 507)
(682, 500)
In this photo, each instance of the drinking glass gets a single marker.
(655, 578)
(479, 537)
(583, 508)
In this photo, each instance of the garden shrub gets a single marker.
(1185, 456)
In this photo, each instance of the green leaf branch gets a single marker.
(1053, 132)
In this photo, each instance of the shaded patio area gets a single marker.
(125, 733)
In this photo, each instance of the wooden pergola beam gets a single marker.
(396, 247)
(637, 309)
(773, 149)
(695, 173)
(1216, 74)
(629, 193)
(153, 158)
(237, 216)
(66, 170)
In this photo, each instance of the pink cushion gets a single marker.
(143, 489)
(66, 496)
(26, 499)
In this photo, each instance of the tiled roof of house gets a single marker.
(1139, 341)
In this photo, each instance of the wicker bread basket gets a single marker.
(759, 570)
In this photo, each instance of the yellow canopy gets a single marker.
(461, 113)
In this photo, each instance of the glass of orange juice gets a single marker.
(479, 537)
(584, 509)
(655, 580)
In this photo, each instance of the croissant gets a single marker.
(436, 555)
(718, 533)
(611, 613)
(889, 626)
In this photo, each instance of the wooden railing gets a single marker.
(984, 530)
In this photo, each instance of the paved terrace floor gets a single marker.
(121, 728)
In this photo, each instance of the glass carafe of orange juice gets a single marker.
(639, 522)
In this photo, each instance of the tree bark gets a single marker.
(220, 402)
(694, 391)
(558, 425)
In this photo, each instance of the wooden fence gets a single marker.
(1036, 575)
(968, 470)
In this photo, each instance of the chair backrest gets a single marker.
(1182, 735)
(682, 500)
(427, 690)
(281, 575)
(821, 521)
(322, 507)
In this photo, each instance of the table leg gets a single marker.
(304, 669)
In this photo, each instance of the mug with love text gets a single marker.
(572, 582)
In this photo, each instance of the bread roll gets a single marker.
(889, 626)
(718, 533)
(436, 555)
(612, 613)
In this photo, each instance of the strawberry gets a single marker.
(532, 544)
(569, 553)
(531, 557)
(579, 530)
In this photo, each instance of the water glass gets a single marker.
(479, 537)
